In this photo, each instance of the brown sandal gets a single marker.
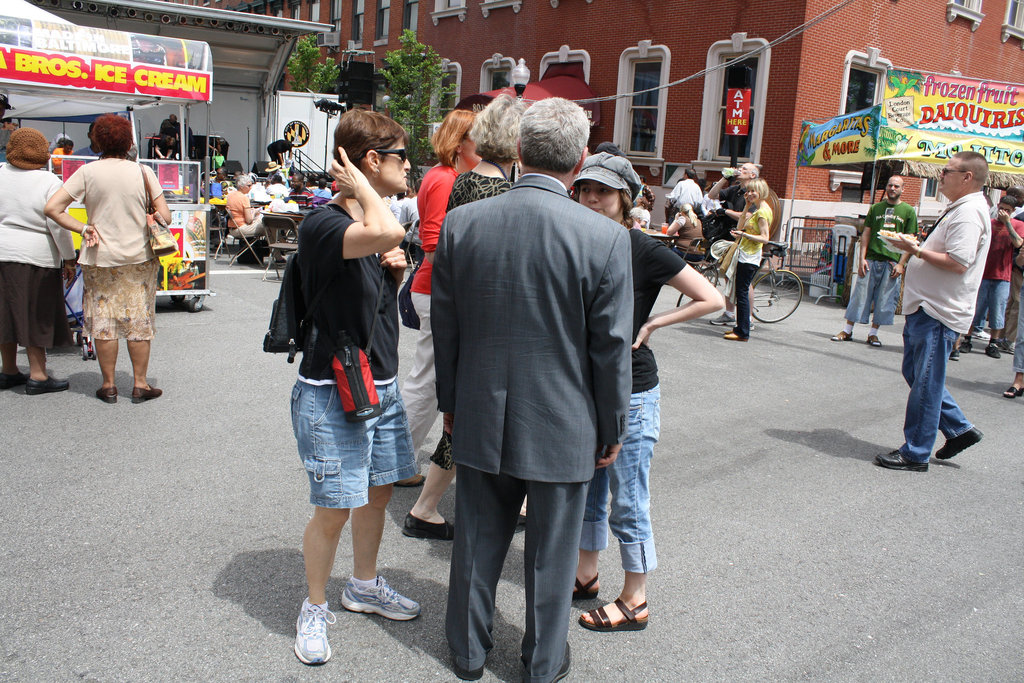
(601, 622)
(584, 592)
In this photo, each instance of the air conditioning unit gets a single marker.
(332, 39)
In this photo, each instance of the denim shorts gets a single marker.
(343, 459)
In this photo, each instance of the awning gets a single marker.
(554, 84)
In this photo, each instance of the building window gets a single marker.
(357, 21)
(314, 10)
(640, 118)
(496, 72)
(1014, 24)
(410, 12)
(448, 8)
(453, 80)
(714, 143)
(383, 19)
(864, 80)
(565, 55)
(336, 14)
(969, 9)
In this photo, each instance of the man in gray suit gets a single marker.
(531, 308)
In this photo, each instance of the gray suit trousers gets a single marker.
(486, 511)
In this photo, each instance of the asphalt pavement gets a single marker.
(161, 541)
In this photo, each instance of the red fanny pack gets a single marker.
(355, 381)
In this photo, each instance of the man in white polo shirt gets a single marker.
(939, 294)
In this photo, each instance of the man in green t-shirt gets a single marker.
(880, 268)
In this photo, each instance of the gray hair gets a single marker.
(553, 134)
(244, 181)
(496, 129)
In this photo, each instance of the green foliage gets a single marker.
(416, 87)
(306, 70)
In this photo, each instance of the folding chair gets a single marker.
(248, 244)
(219, 227)
(283, 237)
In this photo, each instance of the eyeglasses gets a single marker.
(400, 152)
(952, 170)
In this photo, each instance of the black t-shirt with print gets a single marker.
(348, 304)
(654, 264)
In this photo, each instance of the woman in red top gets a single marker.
(456, 153)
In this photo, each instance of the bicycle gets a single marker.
(777, 291)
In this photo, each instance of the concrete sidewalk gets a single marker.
(161, 541)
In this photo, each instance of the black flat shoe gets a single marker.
(1013, 392)
(11, 381)
(415, 527)
(959, 443)
(896, 461)
(47, 386)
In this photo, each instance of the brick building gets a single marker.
(835, 65)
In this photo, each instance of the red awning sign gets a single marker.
(737, 111)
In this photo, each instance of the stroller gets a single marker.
(73, 307)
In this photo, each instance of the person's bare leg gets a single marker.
(367, 530)
(437, 482)
(9, 355)
(319, 545)
(634, 592)
(587, 567)
(139, 353)
(106, 354)
(36, 362)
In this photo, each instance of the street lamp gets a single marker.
(520, 77)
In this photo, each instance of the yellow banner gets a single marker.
(953, 104)
(1003, 156)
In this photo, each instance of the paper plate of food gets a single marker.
(894, 239)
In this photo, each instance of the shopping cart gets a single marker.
(73, 307)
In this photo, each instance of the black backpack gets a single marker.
(290, 316)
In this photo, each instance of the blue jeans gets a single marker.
(930, 407)
(877, 288)
(1018, 345)
(628, 479)
(992, 298)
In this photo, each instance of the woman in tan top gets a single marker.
(118, 265)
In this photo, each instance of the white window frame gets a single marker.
(497, 62)
(453, 68)
(414, 16)
(969, 9)
(362, 24)
(487, 5)
(387, 20)
(337, 12)
(314, 11)
(714, 82)
(566, 55)
(644, 51)
(1013, 28)
(448, 8)
(868, 60)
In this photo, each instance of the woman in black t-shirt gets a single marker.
(608, 184)
(349, 251)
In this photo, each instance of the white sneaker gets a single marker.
(311, 646)
(382, 599)
(724, 319)
(980, 334)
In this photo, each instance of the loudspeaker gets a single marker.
(259, 168)
(355, 84)
(232, 166)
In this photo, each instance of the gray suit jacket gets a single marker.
(531, 312)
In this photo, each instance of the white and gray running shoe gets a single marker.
(311, 646)
(724, 319)
(382, 599)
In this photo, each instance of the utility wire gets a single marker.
(789, 35)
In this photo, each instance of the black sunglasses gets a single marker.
(400, 152)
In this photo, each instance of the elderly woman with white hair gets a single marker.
(496, 134)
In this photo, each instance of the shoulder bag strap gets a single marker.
(145, 190)
(376, 311)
